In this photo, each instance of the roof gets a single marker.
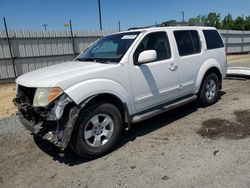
(167, 28)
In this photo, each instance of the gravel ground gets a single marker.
(181, 148)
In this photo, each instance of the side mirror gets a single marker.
(147, 56)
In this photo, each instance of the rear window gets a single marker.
(188, 42)
(213, 39)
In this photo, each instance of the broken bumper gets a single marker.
(29, 125)
(54, 123)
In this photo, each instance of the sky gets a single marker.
(32, 14)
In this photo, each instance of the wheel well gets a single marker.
(113, 100)
(217, 72)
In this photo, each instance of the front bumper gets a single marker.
(53, 123)
(29, 125)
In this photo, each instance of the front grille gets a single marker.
(27, 92)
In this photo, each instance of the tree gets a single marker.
(227, 22)
(239, 23)
(213, 19)
(203, 19)
(193, 21)
(247, 23)
(199, 19)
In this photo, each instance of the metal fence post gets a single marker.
(10, 50)
(72, 39)
(242, 41)
(227, 41)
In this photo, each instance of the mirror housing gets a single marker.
(147, 56)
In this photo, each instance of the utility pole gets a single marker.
(8, 41)
(72, 39)
(119, 25)
(45, 26)
(183, 16)
(100, 14)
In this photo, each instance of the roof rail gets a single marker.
(150, 26)
(171, 23)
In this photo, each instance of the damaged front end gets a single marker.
(54, 122)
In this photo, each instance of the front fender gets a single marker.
(83, 90)
(203, 69)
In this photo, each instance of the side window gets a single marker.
(188, 42)
(157, 41)
(213, 39)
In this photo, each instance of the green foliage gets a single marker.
(239, 23)
(214, 20)
(227, 22)
(247, 23)
(198, 19)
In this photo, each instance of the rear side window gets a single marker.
(188, 42)
(213, 39)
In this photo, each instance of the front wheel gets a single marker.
(99, 130)
(208, 94)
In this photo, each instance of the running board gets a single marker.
(162, 109)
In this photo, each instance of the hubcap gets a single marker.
(99, 130)
(210, 89)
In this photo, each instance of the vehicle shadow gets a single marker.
(68, 157)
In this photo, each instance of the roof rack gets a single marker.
(150, 26)
(171, 23)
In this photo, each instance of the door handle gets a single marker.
(173, 67)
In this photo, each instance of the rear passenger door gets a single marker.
(189, 60)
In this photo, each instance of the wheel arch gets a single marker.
(210, 66)
(110, 98)
(97, 98)
(87, 90)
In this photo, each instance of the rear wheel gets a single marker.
(208, 94)
(99, 130)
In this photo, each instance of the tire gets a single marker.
(98, 131)
(208, 94)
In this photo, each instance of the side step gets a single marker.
(162, 109)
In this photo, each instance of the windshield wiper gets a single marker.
(97, 60)
(110, 61)
(86, 59)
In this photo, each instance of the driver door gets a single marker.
(157, 82)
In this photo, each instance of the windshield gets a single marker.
(110, 48)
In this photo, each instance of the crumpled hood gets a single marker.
(61, 75)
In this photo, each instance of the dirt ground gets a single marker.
(186, 147)
(7, 93)
(239, 60)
